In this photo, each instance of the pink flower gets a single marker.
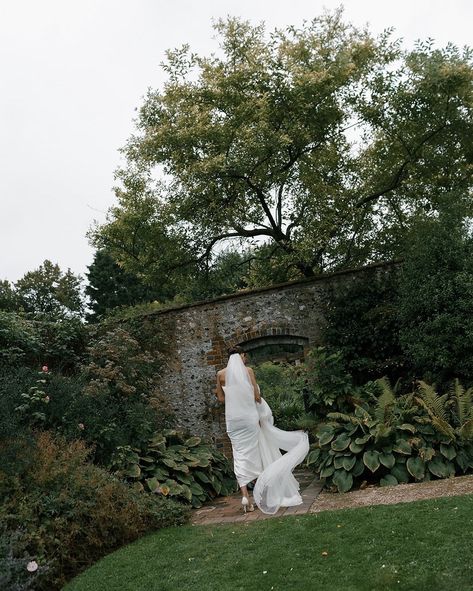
(32, 566)
(45, 368)
(81, 426)
(46, 399)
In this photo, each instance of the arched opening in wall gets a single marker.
(276, 348)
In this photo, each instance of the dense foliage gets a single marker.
(50, 292)
(413, 320)
(109, 286)
(363, 325)
(257, 145)
(281, 386)
(66, 513)
(34, 342)
(389, 439)
(175, 464)
(435, 302)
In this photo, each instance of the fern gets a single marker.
(462, 401)
(307, 422)
(344, 418)
(434, 404)
(466, 430)
(385, 403)
(443, 427)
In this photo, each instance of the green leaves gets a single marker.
(341, 442)
(440, 467)
(258, 127)
(387, 459)
(408, 450)
(448, 451)
(388, 480)
(416, 467)
(343, 480)
(133, 471)
(402, 447)
(400, 472)
(371, 460)
(173, 466)
(348, 462)
(326, 437)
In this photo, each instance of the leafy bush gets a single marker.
(362, 323)
(13, 381)
(397, 439)
(18, 570)
(62, 404)
(37, 341)
(172, 463)
(281, 387)
(19, 340)
(64, 342)
(122, 387)
(327, 385)
(69, 513)
(436, 301)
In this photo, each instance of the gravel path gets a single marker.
(390, 495)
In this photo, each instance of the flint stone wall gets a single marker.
(200, 335)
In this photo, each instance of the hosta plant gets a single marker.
(173, 464)
(414, 437)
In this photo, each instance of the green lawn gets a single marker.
(423, 546)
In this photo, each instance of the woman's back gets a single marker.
(239, 399)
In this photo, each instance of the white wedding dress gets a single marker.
(256, 443)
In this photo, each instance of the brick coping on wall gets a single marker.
(275, 287)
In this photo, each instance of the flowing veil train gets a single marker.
(256, 443)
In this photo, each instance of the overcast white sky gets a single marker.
(72, 73)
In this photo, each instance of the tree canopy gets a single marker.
(50, 292)
(317, 146)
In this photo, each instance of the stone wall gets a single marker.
(200, 335)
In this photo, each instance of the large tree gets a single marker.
(50, 292)
(323, 143)
(109, 286)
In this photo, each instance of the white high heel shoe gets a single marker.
(247, 506)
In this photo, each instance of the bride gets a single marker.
(256, 442)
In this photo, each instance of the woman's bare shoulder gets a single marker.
(221, 372)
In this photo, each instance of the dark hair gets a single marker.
(234, 350)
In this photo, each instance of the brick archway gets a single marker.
(217, 356)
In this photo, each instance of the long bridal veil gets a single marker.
(275, 486)
(242, 421)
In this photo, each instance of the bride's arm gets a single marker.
(255, 385)
(220, 392)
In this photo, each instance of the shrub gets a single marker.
(18, 570)
(175, 464)
(362, 323)
(413, 437)
(62, 404)
(39, 340)
(436, 301)
(70, 513)
(13, 381)
(327, 385)
(122, 388)
(19, 341)
(281, 387)
(64, 342)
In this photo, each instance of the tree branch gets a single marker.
(398, 176)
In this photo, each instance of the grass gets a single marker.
(419, 546)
